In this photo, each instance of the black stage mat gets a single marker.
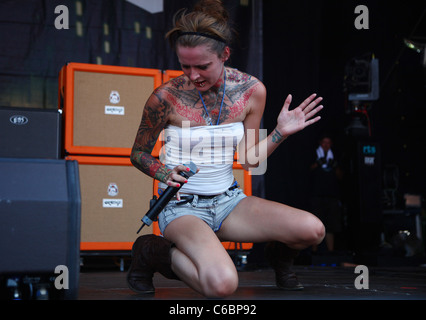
(321, 283)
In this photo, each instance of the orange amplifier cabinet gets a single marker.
(170, 74)
(102, 106)
(244, 180)
(114, 198)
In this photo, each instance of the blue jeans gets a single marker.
(212, 210)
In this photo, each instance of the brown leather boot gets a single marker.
(150, 254)
(281, 258)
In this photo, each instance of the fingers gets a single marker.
(287, 102)
(312, 121)
(307, 101)
(306, 105)
(182, 168)
(309, 104)
(171, 183)
(310, 113)
(310, 108)
(175, 179)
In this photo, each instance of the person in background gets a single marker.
(325, 190)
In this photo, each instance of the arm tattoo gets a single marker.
(277, 136)
(154, 118)
(150, 165)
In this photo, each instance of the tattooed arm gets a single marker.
(154, 118)
(160, 110)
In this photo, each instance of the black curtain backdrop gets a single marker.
(306, 47)
(109, 32)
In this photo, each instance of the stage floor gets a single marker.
(321, 283)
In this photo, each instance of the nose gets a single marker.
(193, 74)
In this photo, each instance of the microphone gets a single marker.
(165, 197)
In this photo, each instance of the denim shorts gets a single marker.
(212, 210)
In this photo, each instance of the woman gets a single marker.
(210, 103)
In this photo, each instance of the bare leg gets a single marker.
(286, 229)
(259, 220)
(199, 258)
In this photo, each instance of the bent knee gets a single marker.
(317, 231)
(221, 283)
(314, 232)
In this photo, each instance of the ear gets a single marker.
(226, 54)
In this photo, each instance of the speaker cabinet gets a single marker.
(115, 196)
(39, 224)
(103, 106)
(30, 133)
(244, 180)
(170, 74)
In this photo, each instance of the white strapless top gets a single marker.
(211, 148)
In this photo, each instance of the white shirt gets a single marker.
(211, 148)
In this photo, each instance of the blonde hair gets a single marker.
(206, 24)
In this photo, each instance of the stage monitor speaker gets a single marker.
(39, 228)
(103, 106)
(115, 196)
(30, 133)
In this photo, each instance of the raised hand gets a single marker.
(292, 121)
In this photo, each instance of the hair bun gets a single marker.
(212, 8)
(207, 23)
